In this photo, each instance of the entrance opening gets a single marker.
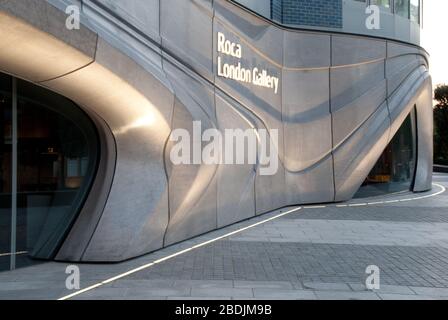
(55, 161)
(394, 171)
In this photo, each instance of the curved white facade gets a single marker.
(141, 69)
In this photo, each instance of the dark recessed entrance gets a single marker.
(394, 171)
(44, 181)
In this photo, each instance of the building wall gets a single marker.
(277, 10)
(341, 100)
(262, 7)
(341, 15)
(317, 13)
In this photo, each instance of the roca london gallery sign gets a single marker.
(255, 76)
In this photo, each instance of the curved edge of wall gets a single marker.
(115, 90)
(79, 236)
(425, 131)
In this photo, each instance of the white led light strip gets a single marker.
(202, 244)
(175, 255)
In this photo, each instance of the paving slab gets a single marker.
(263, 284)
(431, 291)
(239, 293)
(315, 253)
(270, 294)
(344, 295)
(326, 286)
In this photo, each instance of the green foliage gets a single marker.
(441, 125)
(441, 95)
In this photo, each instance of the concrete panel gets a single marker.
(186, 31)
(192, 187)
(395, 49)
(354, 159)
(306, 50)
(51, 20)
(143, 48)
(424, 55)
(40, 32)
(306, 118)
(425, 129)
(314, 185)
(257, 32)
(400, 101)
(398, 68)
(270, 191)
(142, 14)
(236, 183)
(348, 50)
(348, 118)
(350, 83)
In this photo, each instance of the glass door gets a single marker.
(57, 148)
(46, 175)
(395, 170)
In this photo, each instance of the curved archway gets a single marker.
(46, 179)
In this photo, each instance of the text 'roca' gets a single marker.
(256, 76)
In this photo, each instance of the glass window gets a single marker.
(395, 169)
(415, 11)
(401, 8)
(383, 3)
(56, 162)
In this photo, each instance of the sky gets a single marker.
(434, 38)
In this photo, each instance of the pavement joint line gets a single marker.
(443, 189)
(145, 266)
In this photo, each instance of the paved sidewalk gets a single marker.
(312, 253)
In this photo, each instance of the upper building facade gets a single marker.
(398, 19)
(87, 116)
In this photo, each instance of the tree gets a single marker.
(441, 125)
